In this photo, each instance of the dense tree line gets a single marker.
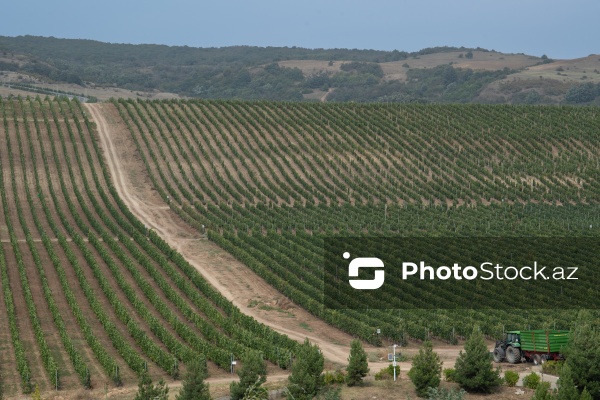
(442, 84)
(236, 72)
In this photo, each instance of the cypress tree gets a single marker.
(358, 366)
(474, 369)
(252, 374)
(194, 387)
(306, 378)
(426, 369)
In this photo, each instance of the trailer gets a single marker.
(537, 346)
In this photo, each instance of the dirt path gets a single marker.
(234, 280)
(323, 98)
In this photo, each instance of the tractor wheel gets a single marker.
(499, 354)
(513, 355)
(537, 359)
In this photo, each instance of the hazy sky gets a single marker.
(558, 28)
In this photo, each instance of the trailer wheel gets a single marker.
(513, 354)
(537, 359)
(499, 354)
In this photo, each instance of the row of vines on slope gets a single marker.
(90, 254)
(271, 180)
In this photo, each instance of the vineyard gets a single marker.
(270, 180)
(88, 295)
(101, 297)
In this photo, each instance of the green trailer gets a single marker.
(537, 346)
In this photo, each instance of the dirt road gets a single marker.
(234, 280)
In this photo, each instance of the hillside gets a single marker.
(440, 75)
(270, 181)
(95, 283)
(90, 296)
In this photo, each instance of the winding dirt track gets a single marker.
(233, 279)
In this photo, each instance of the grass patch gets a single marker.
(304, 325)
(286, 312)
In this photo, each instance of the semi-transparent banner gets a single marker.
(461, 273)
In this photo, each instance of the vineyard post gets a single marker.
(394, 362)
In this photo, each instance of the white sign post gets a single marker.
(394, 363)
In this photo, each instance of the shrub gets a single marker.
(333, 377)
(511, 378)
(331, 394)
(531, 381)
(441, 393)
(552, 367)
(253, 392)
(387, 373)
(542, 392)
(450, 375)
(36, 394)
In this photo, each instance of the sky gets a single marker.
(557, 28)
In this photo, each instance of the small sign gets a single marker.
(378, 331)
(391, 357)
(234, 363)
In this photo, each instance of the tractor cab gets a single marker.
(509, 348)
(513, 338)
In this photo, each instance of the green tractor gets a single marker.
(533, 346)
